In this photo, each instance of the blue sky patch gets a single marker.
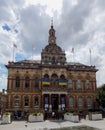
(6, 27)
(19, 57)
(3, 69)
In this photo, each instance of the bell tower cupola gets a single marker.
(52, 38)
(52, 54)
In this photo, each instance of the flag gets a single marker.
(33, 46)
(62, 82)
(15, 45)
(72, 50)
(46, 81)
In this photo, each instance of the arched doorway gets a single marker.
(54, 102)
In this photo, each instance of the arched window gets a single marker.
(88, 84)
(62, 81)
(36, 82)
(79, 84)
(26, 101)
(53, 60)
(71, 101)
(80, 101)
(36, 101)
(89, 101)
(16, 101)
(54, 80)
(52, 34)
(27, 82)
(17, 82)
(46, 80)
(70, 84)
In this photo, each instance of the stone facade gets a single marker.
(50, 84)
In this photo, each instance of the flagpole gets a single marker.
(90, 56)
(32, 52)
(33, 47)
(14, 46)
(13, 52)
(73, 53)
(73, 56)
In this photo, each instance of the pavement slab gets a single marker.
(50, 124)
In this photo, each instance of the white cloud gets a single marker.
(78, 24)
(51, 6)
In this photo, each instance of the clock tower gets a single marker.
(52, 38)
(52, 53)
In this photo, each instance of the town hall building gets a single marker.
(51, 84)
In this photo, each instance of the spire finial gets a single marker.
(52, 22)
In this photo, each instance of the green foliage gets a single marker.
(101, 96)
(7, 113)
(97, 112)
(70, 114)
(36, 114)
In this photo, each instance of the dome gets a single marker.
(52, 48)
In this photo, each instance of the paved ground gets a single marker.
(47, 125)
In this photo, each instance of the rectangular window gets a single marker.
(71, 101)
(70, 84)
(79, 84)
(26, 101)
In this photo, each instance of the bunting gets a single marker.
(33, 46)
(46, 82)
(62, 82)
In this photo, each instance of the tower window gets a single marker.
(52, 34)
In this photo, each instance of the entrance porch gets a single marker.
(54, 102)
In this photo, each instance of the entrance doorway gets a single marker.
(54, 102)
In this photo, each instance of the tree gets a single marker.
(101, 96)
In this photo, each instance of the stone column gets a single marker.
(74, 87)
(42, 101)
(21, 101)
(59, 102)
(84, 86)
(32, 100)
(9, 83)
(76, 101)
(50, 104)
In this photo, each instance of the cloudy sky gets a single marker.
(79, 24)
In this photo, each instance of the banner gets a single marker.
(62, 82)
(45, 81)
